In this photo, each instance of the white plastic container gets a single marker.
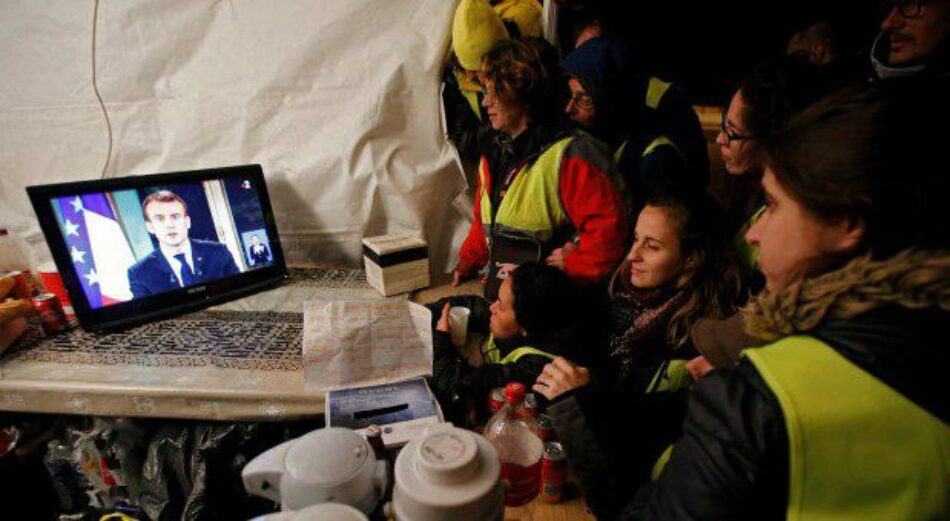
(321, 512)
(325, 465)
(448, 474)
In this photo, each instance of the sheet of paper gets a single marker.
(348, 343)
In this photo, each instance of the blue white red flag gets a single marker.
(99, 248)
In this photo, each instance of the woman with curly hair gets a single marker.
(541, 184)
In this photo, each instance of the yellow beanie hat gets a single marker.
(475, 30)
(526, 14)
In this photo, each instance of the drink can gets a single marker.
(545, 427)
(553, 473)
(23, 284)
(374, 435)
(531, 405)
(51, 314)
(496, 398)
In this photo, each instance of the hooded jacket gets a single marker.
(884, 317)
(604, 67)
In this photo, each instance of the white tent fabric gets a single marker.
(338, 100)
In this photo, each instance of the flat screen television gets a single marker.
(134, 249)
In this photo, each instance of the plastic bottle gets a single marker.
(69, 487)
(15, 253)
(519, 448)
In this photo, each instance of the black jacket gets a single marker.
(457, 383)
(732, 461)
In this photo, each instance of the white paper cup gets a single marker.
(458, 325)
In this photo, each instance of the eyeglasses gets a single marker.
(907, 8)
(730, 135)
(583, 101)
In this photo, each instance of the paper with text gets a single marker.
(349, 343)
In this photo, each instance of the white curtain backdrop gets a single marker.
(338, 100)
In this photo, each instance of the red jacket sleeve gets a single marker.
(594, 206)
(474, 251)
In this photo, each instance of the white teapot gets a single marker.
(326, 465)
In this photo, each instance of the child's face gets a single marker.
(503, 324)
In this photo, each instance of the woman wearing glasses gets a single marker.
(648, 123)
(541, 184)
(766, 100)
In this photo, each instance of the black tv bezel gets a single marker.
(137, 311)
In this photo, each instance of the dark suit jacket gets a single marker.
(260, 257)
(153, 274)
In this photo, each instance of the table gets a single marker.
(126, 374)
(53, 383)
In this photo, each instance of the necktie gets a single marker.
(187, 276)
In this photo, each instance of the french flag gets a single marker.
(100, 251)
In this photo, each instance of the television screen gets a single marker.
(134, 248)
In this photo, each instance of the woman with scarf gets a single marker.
(679, 269)
(838, 407)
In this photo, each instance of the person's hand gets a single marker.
(443, 323)
(559, 377)
(557, 256)
(698, 367)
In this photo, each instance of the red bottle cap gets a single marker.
(514, 393)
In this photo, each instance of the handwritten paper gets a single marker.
(349, 343)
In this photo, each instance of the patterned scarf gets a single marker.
(639, 320)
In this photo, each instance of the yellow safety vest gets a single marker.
(858, 450)
(492, 355)
(530, 218)
(659, 141)
(656, 89)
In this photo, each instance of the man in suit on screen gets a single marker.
(179, 261)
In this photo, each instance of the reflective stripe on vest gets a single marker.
(857, 448)
(532, 204)
(491, 354)
(656, 143)
(670, 377)
(656, 89)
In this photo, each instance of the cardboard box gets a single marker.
(396, 263)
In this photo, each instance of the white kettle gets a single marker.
(326, 465)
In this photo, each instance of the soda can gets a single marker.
(23, 284)
(531, 405)
(553, 473)
(50, 311)
(374, 435)
(496, 398)
(545, 427)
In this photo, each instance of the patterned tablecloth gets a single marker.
(237, 361)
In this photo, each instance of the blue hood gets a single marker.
(605, 69)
